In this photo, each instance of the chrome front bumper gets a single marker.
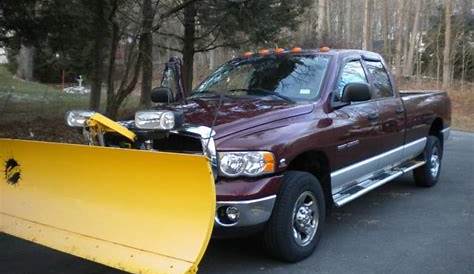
(252, 212)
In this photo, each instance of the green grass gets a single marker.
(31, 110)
(24, 100)
(8, 83)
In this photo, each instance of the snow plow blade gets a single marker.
(138, 211)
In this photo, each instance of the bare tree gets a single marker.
(399, 35)
(408, 69)
(385, 23)
(367, 24)
(348, 22)
(148, 13)
(98, 8)
(321, 25)
(447, 44)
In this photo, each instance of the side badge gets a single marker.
(12, 171)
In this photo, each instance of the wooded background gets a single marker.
(120, 46)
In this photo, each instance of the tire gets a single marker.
(427, 175)
(279, 239)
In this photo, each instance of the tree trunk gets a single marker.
(386, 42)
(25, 60)
(114, 41)
(147, 66)
(340, 22)
(127, 85)
(328, 27)
(447, 45)
(366, 26)
(399, 36)
(320, 27)
(405, 39)
(98, 54)
(347, 23)
(413, 40)
(438, 57)
(188, 46)
(212, 60)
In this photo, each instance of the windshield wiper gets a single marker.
(266, 91)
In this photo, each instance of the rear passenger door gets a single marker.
(391, 110)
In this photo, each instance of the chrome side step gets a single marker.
(362, 187)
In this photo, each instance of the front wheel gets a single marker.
(294, 228)
(427, 175)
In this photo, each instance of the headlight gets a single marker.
(155, 120)
(251, 163)
(78, 118)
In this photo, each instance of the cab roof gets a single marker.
(368, 55)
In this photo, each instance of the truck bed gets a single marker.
(422, 106)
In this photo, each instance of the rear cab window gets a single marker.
(382, 86)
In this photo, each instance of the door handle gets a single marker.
(373, 116)
(399, 110)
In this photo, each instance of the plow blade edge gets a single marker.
(139, 211)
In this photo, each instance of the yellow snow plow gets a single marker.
(140, 211)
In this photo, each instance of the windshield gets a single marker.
(296, 78)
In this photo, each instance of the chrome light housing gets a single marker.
(248, 163)
(78, 118)
(155, 119)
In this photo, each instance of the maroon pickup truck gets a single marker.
(292, 133)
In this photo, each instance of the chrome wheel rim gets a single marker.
(305, 218)
(434, 162)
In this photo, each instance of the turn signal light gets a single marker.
(269, 162)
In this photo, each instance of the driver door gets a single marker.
(356, 131)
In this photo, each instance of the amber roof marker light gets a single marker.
(279, 50)
(296, 50)
(324, 49)
(247, 54)
(264, 52)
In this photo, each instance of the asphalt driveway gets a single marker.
(398, 228)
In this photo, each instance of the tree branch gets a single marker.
(169, 48)
(215, 47)
(170, 35)
(171, 12)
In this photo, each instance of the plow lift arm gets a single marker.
(140, 211)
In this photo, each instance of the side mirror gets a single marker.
(162, 95)
(356, 92)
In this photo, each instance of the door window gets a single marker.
(352, 72)
(382, 86)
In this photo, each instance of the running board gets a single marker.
(375, 181)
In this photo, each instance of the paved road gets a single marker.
(397, 228)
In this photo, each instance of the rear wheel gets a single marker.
(294, 228)
(428, 174)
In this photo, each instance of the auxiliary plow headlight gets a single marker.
(78, 118)
(164, 120)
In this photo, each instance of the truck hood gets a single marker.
(237, 114)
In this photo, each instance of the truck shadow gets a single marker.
(369, 212)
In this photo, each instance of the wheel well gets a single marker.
(436, 129)
(316, 163)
